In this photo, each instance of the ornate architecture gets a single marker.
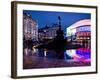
(30, 28)
(48, 32)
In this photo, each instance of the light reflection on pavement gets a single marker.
(35, 61)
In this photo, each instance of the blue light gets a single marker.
(83, 28)
(85, 54)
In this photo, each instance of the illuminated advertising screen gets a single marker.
(83, 28)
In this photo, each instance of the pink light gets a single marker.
(84, 49)
(81, 23)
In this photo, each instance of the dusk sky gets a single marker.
(49, 17)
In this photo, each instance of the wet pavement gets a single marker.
(33, 61)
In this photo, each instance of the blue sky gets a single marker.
(49, 17)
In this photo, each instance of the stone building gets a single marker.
(30, 28)
(48, 32)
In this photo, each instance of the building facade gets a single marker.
(80, 33)
(48, 32)
(30, 28)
